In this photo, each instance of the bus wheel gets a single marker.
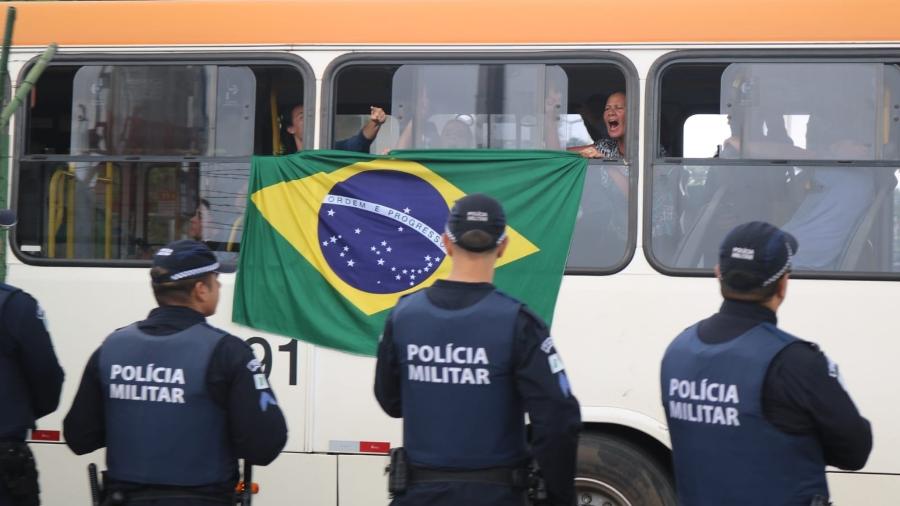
(614, 472)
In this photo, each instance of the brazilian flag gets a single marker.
(332, 239)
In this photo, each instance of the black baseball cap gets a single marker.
(755, 255)
(186, 259)
(476, 212)
(7, 219)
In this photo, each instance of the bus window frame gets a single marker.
(249, 59)
(726, 56)
(597, 57)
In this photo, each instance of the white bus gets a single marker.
(141, 131)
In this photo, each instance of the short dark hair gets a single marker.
(175, 293)
(756, 294)
(480, 240)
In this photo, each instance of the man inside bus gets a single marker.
(360, 142)
(175, 401)
(755, 414)
(30, 383)
(466, 438)
(835, 198)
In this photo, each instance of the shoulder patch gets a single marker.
(254, 365)
(555, 362)
(41, 315)
(547, 345)
(260, 381)
(835, 372)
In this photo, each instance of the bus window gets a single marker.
(501, 106)
(119, 160)
(810, 147)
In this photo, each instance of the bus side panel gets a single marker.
(362, 480)
(297, 479)
(869, 489)
(344, 408)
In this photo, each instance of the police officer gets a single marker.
(30, 383)
(755, 414)
(174, 400)
(462, 363)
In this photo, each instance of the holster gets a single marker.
(398, 472)
(18, 473)
(537, 487)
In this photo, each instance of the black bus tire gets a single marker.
(615, 472)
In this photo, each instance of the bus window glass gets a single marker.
(726, 120)
(504, 106)
(128, 210)
(514, 106)
(199, 110)
(121, 159)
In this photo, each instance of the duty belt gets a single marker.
(511, 477)
(118, 496)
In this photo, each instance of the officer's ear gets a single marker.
(782, 286)
(448, 244)
(501, 248)
(718, 272)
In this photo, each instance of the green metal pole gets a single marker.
(4, 56)
(4, 135)
(26, 85)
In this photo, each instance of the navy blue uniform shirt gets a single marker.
(555, 415)
(258, 436)
(24, 337)
(802, 393)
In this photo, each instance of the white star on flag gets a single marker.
(427, 258)
(333, 239)
(384, 243)
(380, 261)
(406, 210)
(324, 243)
(350, 263)
(357, 230)
(399, 229)
(331, 212)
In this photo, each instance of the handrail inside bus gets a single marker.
(238, 223)
(276, 132)
(62, 201)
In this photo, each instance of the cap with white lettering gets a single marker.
(755, 255)
(476, 212)
(186, 259)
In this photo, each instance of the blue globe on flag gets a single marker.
(380, 230)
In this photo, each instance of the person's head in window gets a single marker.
(614, 118)
(457, 134)
(198, 222)
(292, 120)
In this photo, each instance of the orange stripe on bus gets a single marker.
(454, 22)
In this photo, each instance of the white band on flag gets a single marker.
(388, 212)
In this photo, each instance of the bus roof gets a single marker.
(339, 22)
